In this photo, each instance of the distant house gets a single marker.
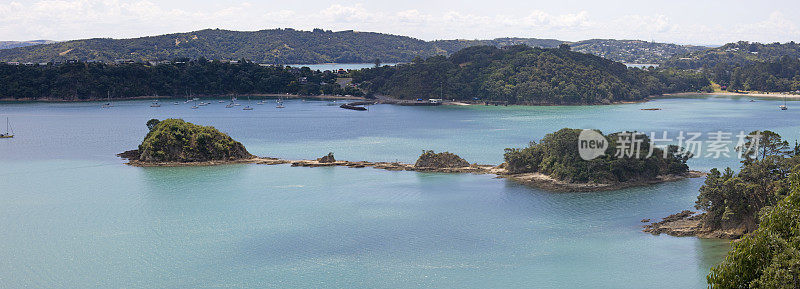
(154, 63)
(12, 63)
(123, 61)
(341, 71)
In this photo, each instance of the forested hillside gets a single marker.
(734, 54)
(76, 81)
(276, 46)
(15, 44)
(633, 51)
(289, 46)
(525, 75)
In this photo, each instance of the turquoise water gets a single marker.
(75, 217)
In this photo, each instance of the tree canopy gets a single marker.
(769, 257)
(73, 81)
(557, 156)
(524, 75)
(732, 201)
(174, 140)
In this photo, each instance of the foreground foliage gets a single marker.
(524, 75)
(174, 140)
(769, 257)
(733, 200)
(557, 156)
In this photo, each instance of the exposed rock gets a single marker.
(688, 223)
(129, 155)
(327, 159)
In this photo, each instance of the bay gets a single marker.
(75, 217)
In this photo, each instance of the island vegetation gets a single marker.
(557, 156)
(431, 159)
(177, 141)
(81, 81)
(524, 75)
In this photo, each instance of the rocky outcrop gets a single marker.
(327, 159)
(545, 182)
(688, 223)
(431, 159)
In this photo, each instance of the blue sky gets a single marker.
(686, 22)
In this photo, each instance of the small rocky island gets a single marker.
(174, 142)
(555, 164)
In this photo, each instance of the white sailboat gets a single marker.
(108, 102)
(280, 104)
(248, 107)
(783, 107)
(9, 131)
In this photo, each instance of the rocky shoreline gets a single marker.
(535, 180)
(688, 224)
(548, 183)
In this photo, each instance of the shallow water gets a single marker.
(73, 216)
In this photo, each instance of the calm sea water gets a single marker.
(73, 216)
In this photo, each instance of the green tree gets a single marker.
(770, 256)
(152, 123)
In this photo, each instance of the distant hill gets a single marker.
(15, 44)
(289, 46)
(452, 46)
(633, 51)
(279, 46)
(734, 54)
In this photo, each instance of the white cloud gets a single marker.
(71, 19)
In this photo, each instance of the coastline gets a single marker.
(545, 182)
(535, 180)
(776, 95)
(203, 96)
(687, 224)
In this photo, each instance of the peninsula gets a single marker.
(731, 202)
